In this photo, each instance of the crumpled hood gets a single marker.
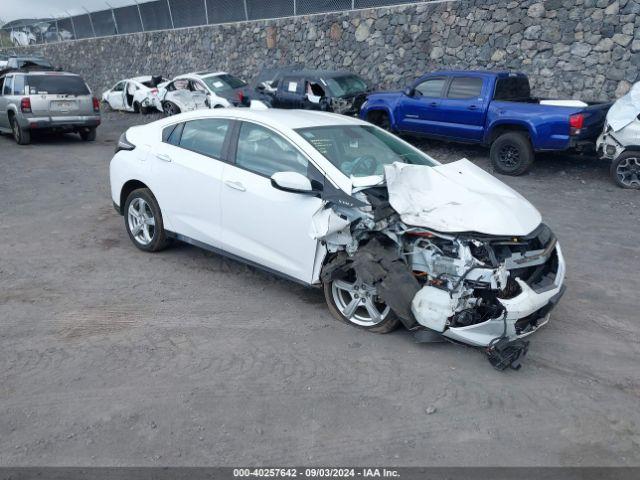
(625, 110)
(458, 197)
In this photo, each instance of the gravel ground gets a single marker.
(111, 356)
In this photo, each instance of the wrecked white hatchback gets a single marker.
(393, 236)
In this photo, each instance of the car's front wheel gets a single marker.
(143, 221)
(625, 170)
(356, 303)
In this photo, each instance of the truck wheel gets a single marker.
(21, 136)
(511, 153)
(625, 170)
(380, 119)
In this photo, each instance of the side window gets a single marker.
(181, 84)
(18, 85)
(432, 87)
(291, 85)
(198, 87)
(167, 132)
(264, 152)
(119, 87)
(205, 136)
(465, 87)
(6, 90)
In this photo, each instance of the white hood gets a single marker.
(625, 110)
(458, 197)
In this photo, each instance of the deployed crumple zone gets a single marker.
(449, 249)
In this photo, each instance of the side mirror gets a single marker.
(409, 92)
(292, 182)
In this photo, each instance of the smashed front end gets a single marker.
(480, 289)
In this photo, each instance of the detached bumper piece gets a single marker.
(505, 353)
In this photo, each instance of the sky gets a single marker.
(15, 9)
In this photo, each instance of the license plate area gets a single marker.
(63, 105)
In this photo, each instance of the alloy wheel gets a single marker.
(141, 221)
(628, 172)
(358, 303)
(509, 156)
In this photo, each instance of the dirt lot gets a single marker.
(110, 356)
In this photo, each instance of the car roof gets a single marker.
(279, 118)
(200, 74)
(317, 73)
(501, 73)
(142, 79)
(40, 72)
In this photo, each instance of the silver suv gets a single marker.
(47, 100)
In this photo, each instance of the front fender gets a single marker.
(378, 106)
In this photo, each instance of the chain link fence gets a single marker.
(145, 16)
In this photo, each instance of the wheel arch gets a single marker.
(126, 190)
(498, 129)
(376, 112)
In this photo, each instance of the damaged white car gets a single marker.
(138, 94)
(620, 139)
(391, 235)
(184, 95)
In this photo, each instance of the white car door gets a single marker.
(115, 97)
(259, 222)
(187, 173)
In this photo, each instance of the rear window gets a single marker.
(465, 87)
(56, 84)
(512, 89)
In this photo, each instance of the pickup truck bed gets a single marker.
(488, 108)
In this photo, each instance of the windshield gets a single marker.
(346, 85)
(56, 84)
(362, 150)
(220, 83)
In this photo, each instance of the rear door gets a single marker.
(5, 93)
(465, 106)
(260, 223)
(187, 167)
(422, 113)
(290, 91)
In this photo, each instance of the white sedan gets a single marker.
(138, 94)
(391, 235)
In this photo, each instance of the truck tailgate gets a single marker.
(594, 118)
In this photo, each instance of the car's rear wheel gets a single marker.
(88, 135)
(511, 153)
(170, 108)
(20, 135)
(352, 301)
(143, 221)
(625, 170)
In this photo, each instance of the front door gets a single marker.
(115, 97)
(259, 222)
(188, 167)
(466, 104)
(421, 112)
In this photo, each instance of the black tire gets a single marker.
(380, 119)
(88, 135)
(144, 110)
(625, 170)
(389, 324)
(20, 135)
(159, 239)
(170, 108)
(511, 153)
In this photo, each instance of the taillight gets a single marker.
(241, 97)
(96, 105)
(154, 91)
(25, 105)
(576, 122)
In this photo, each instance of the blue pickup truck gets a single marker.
(495, 109)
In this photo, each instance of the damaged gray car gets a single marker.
(394, 237)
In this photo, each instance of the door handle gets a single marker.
(163, 157)
(473, 107)
(433, 104)
(235, 185)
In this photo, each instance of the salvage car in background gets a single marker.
(323, 199)
(222, 88)
(47, 101)
(495, 109)
(138, 94)
(331, 91)
(181, 95)
(620, 139)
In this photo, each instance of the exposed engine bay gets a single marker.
(481, 289)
